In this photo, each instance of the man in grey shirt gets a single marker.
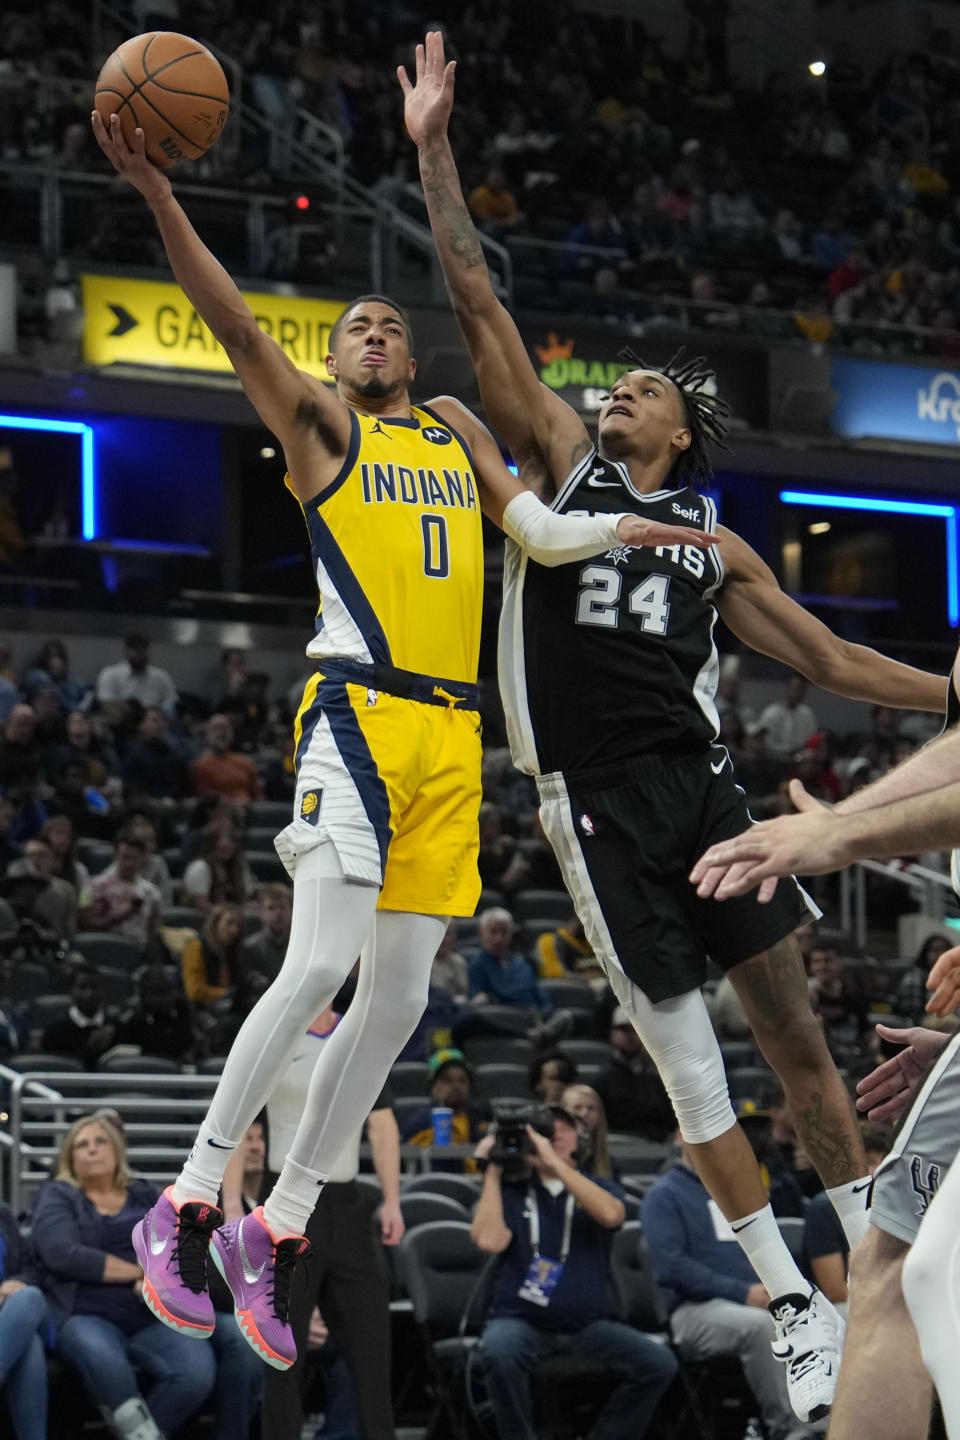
(265, 949)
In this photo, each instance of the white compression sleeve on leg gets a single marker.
(553, 539)
(681, 1042)
(391, 996)
(332, 918)
(931, 1288)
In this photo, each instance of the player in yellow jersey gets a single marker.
(387, 753)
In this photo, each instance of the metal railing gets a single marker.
(43, 1105)
(932, 889)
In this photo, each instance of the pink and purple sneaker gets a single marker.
(171, 1243)
(259, 1266)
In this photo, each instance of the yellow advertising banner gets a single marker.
(151, 322)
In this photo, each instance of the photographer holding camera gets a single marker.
(553, 1291)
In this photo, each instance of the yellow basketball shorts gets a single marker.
(394, 784)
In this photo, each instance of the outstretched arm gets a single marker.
(759, 613)
(545, 436)
(306, 416)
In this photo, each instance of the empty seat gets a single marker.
(410, 1077)
(32, 1064)
(29, 980)
(270, 814)
(587, 1052)
(439, 1182)
(509, 1081)
(546, 904)
(44, 1009)
(420, 1208)
(568, 994)
(267, 867)
(261, 837)
(104, 949)
(498, 1050)
(183, 917)
(138, 1065)
(117, 985)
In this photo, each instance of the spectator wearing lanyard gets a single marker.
(553, 1288)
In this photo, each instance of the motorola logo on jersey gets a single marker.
(435, 435)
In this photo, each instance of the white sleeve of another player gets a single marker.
(553, 539)
(931, 1288)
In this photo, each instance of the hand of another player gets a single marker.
(391, 1222)
(635, 531)
(811, 843)
(131, 164)
(757, 1295)
(944, 981)
(10, 1287)
(886, 1092)
(428, 102)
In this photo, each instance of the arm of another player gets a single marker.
(547, 537)
(819, 841)
(545, 436)
(759, 613)
(294, 406)
(384, 1137)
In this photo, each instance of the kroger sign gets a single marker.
(900, 402)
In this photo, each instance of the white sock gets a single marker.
(203, 1170)
(292, 1200)
(760, 1240)
(850, 1203)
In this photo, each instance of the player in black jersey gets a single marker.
(608, 672)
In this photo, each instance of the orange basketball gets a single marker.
(172, 87)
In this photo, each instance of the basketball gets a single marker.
(172, 87)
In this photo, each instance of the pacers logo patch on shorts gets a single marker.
(310, 806)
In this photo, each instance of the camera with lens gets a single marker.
(512, 1146)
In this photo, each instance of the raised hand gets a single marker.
(886, 1092)
(131, 164)
(427, 103)
(944, 981)
(811, 843)
(634, 530)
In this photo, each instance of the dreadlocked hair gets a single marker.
(706, 415)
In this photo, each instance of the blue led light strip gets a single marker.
(896, 507)
(88, 473)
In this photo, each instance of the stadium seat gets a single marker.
(270, 815)
(498, 1050)
(32, 1064)
(444, 1276)
(544, 904)
(260, 837)
(183, 917)
(439, 1182)
(113, 950)
(410, 1077)
(95, 854)
(495, 1082)
(267, 867)
(212, 1066)
(568, 994)
(117, 985)
(44, 1009)
(30, 979)
(421, 1208)
(138, 1065)
(750, 1082)
(587, 1052)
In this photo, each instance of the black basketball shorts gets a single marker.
(627, 838)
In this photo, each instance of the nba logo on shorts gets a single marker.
(310, 806)
(586, 825)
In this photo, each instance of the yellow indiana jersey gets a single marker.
(397, 549)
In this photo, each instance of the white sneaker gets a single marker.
(809, 1340)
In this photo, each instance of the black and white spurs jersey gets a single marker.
(611, 657)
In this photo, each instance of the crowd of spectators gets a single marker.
(143, 912)
(645, 176)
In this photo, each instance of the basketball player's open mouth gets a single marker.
(374, 357)
(619, 410)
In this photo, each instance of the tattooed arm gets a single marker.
(545, 436)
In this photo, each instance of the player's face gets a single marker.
(372, 358)
(642, 419)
